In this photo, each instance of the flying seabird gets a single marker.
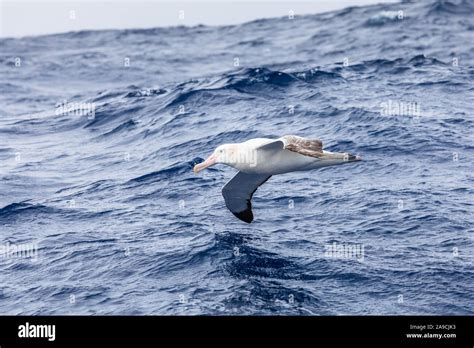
(258, 159)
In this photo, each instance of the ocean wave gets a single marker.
(385, 17)
(14, 210)
(463, 7)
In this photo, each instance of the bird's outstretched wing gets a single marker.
(238, 194)
(294, 143)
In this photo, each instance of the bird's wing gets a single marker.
(238, 193)
(275, 145)
(294, 143)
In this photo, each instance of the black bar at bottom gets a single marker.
(338, 330)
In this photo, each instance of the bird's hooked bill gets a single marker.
(203, 165)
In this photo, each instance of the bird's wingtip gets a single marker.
(245, 216)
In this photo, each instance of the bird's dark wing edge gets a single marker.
(294, 143)
(303, 146)
(238, 194)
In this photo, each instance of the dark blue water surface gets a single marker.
(124, 226)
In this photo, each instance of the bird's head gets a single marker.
(226, 154)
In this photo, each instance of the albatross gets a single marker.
(258, 159)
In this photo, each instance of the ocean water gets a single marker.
(99, 132)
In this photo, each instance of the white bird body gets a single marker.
(268, 161)
(260, 158)
(254, 157)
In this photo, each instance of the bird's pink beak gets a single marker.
(207, 163)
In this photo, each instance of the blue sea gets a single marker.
(100, 130)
